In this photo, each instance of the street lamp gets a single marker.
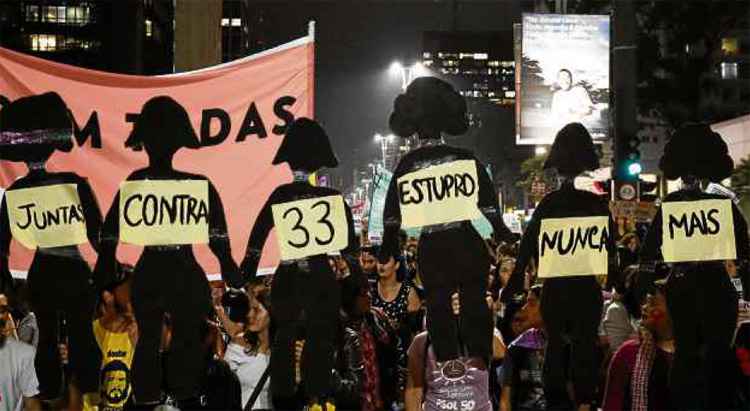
(540, 150)
(408, 74)
(384, 141)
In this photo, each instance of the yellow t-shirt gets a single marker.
(114, 378)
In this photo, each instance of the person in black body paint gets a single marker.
(59, 279)
(305, 291)
(167, 278)
(571, 305)
(451, 256)
(701, 299)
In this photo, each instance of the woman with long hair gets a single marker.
(249, 354)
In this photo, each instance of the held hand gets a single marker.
(455, 304)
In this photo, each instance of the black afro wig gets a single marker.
(696, 150)
(306, 147)
(33, 127)
(573, 151)
(429, 107)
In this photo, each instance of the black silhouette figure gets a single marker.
(700, 297)
(59, 279)
(453, 256)
(167, 278)
(571, 305)
(306, 295)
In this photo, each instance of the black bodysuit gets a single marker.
(572, 305)
(451, 257)
(305, 297)
(60, 283)
(702, 304)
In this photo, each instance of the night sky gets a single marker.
(356, 41)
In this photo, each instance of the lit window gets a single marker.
(730, 46)
(224, 22)
(149, 28)
(510, 94)
(61, 14)
(236, 22)
(43, 42)
(480, 56)
(427, 55)
(728, 71)
(32, 13)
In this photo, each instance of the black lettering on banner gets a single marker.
(91, 129)
(579, 238)
(403, 191)
(433, 189)
(28, 208)
(298, 226)
(324, 220)
(150, 198)
(714, 221)
(225, 125)
(252, 124)
(701, 221)
(126, 215)
(280, 109)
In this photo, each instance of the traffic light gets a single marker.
(629, 166)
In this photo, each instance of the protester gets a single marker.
(249, 355)
(572, 297)
(522, 386)
(367, 366)
(18, 383)
(639, 372)
(616, 326)
(460, 384)
(22, 317)
(116, 333)
(701, 299)
(627, 249)
(368, 260)
(394, 294)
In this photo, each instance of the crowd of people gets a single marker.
(383, 355)
(656, 318)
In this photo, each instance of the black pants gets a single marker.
(60, 284)
(172, 282)
(703, 306)
(571, 309)
(456, 260)
(311, 295)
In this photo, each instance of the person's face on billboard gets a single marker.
(564, 80)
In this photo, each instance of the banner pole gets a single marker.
(311, 29)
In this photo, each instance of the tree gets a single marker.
(532, 169)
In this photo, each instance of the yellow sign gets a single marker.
(439, 194)
(697, 231)
(164, 212)
(573, 246)
(47, 216)
(312, 226)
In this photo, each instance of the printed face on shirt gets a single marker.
(115, 382)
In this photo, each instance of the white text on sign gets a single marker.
(698, 231)
(164, 212)
(573, 246)
(439, 194)
(311, 226)
(47, 216)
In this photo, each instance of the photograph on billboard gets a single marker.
(564, 75)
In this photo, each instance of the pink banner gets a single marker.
(258, 95)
